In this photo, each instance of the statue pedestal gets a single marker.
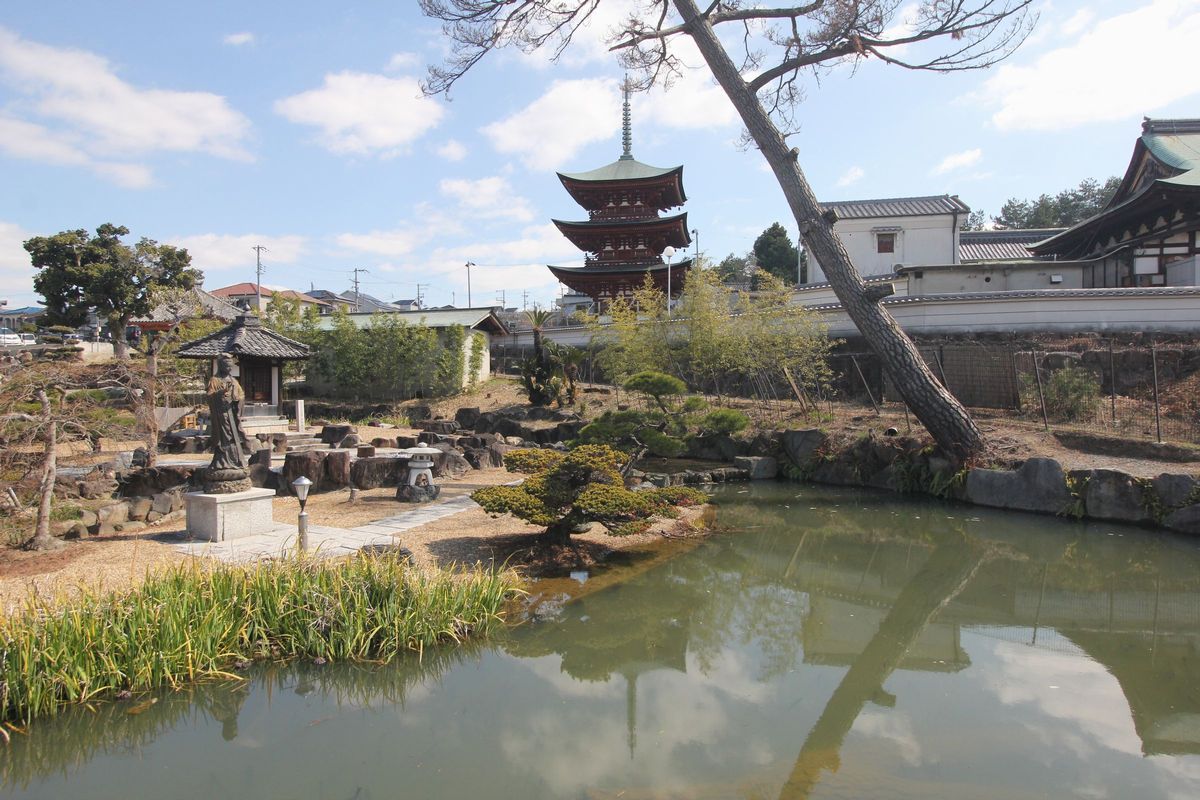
(218, 517)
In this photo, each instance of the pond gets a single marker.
(826, 644)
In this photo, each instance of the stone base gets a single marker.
(417, 494)
(220, 517)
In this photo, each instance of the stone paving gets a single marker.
(325, 541)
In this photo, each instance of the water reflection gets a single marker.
(834, 643)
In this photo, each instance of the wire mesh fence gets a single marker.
(1097, 386)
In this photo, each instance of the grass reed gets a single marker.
(189, 624)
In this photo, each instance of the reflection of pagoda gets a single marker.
(624, 236)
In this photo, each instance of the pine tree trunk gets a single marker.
(938, 410)
(116, 326)
(42, 540)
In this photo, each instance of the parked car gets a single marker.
(27, 338)
(9, 338)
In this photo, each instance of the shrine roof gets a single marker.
(618, 269)
(245, 336)
(605, 224)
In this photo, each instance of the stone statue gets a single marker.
(227, 472)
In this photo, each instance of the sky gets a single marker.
(301, 127)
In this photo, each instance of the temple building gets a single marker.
(1146, 235)
(624, 235)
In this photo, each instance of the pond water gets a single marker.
(828, 644)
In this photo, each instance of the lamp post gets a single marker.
(469, 265)
(696, 234)
(669, 252)
(301, 486)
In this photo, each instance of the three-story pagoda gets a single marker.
(624, 236)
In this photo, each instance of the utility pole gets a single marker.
(500, 296)
(258, 250)
(696, 233)
(420, 288)
(525, 300)
(357, 299)
(469, 265)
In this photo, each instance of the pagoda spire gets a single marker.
(626, 125)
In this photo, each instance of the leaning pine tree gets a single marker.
(765, 93)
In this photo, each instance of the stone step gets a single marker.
(303, 440)
(303, 448)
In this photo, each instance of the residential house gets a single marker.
(252, 297)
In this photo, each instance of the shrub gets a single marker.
(1071, 393)
(724, 420)
(584, 485)
(531, 460)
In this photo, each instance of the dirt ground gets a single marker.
(120, 561)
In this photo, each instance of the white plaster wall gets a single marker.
(920, 240)
(996, 278)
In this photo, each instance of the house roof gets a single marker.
(195, 303)
(898, 207)
(1001, 245)
(27, 311)
(483, 319)
(245, 336)
(240, 290)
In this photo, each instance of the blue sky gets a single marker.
(300, 127)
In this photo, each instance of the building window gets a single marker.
(885, 243)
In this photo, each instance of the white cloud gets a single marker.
(237, 39)
(32, 142)
(850, 176)
(1084, 82)
(216, 251)
(452, 150)
(487, 198)
(108, 116)
(16, 272)
(397, 242)
(1078, 21)
(402, 61)
(548, 132)
(364, 114)
(967, 158)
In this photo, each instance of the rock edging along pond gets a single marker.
(1171, 500)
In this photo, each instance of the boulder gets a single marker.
(838, 472)
(262, 457)
(761, 468)
(164, 503)
(490, 457)
(95, 489)
(514, 441)
(1185, 520)
(444, 426)
(332, 434)
(261, 477)
(371, 473)
(431, 438)
(418, 412)
(802, 446)
(337, 469)
(1111, 494)
(383, 441)
(139, 507)
(349, 442)
(450, 463)
(713, 447)
(1039, 485)
(565, 431)
(77, 531)
(279, 442)
(467, 416)
(149, 482)
(404, 442)
(109, 517)
(365, 451)
(1174, 490)
(309, 464)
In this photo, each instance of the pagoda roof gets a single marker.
(1163, 171)
(619, 269)
(582, 233)
(245, 336)
(625, 168)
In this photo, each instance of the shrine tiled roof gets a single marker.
(898, 207)
(245, 336)
(193, 304)
(1001, 245)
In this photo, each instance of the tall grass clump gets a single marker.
(188, 624)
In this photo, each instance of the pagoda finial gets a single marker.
(626, 127)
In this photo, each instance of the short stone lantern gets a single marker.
(419, 486)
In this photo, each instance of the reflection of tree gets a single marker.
(943, 576)
(67, 742)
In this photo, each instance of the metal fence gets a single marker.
(1091, 385)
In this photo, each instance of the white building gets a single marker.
(882, 235)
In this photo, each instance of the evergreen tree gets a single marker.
(776, 254)
(1068, 207)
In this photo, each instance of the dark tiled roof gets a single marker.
(1008, 245)
(245, 336)
(898, 207)
(195, 304)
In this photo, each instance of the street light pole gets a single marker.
(696, 233)
(301, 486)
(469, 265)
(669, 252)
